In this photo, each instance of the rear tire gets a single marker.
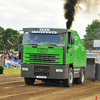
(81, 80)
(68, 82)
(29, 81)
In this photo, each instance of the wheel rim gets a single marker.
(71, 77)
(82, 77)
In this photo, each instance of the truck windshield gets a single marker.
(44, 39)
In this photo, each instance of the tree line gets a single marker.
(8, 39)
(92, 32)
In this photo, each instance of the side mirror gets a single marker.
(72, 40)
(19, 39)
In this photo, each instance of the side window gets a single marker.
(69, 37)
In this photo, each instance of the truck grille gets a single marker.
(44, 58)
(41, 70)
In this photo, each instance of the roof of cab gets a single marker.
(45, 30)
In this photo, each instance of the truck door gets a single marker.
(69, 48)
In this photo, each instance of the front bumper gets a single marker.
(40, 71)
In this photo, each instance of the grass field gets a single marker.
(11, 71)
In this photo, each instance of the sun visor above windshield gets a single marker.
(45, 30)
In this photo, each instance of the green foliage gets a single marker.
(1, 41)
(1, 68)
(92, 32)
(8, 39)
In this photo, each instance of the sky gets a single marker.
(19, 14)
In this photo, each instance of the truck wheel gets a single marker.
(68, 82)
(29, 81)
(81, 80)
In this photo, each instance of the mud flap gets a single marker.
(90, 69)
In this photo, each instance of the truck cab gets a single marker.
(52, 54)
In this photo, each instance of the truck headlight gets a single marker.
(59, 70)
(24, 69)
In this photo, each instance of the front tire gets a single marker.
(81, 80)
(68, 82)
(29, 81)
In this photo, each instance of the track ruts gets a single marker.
(14, 88)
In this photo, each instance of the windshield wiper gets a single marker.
(51, 44)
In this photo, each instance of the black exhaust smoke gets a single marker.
(71, 6)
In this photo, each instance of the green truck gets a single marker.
(52, 54)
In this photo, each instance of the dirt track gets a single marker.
(14, 88)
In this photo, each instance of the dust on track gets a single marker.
(14, 88)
